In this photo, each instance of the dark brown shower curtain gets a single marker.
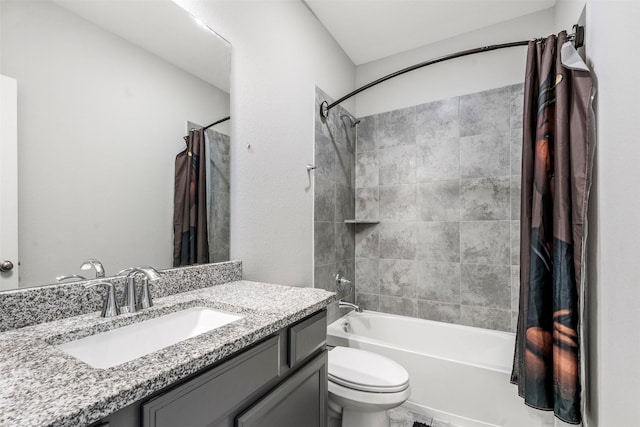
(556, 162)
(190, 237)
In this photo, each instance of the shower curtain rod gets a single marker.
(577, 37)
(215, 123)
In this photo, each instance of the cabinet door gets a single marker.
(299, 401)
(210, 397)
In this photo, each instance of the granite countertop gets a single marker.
(42, 386)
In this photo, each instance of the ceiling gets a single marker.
(368, 30)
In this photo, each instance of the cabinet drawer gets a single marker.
(212, 395)
(307, 337)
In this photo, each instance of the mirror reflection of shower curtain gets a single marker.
(190, 241)
(557, 153)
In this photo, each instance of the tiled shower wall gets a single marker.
(220, 202)
(443, 178)
(334, 200)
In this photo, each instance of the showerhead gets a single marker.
(353, 121)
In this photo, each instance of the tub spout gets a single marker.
(345, 304)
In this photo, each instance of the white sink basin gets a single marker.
(111, 348)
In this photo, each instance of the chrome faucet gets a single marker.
(95, 264)
(132, 301)
(345, 304)
(110, 307)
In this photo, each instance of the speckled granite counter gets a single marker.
(42, 386)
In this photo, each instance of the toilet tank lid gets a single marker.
(363, 369)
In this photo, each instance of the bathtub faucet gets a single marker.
(345, 304)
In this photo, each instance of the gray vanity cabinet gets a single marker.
(281, 381)
(301, 401)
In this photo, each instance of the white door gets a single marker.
(8, 183)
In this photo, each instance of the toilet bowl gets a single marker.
(363, 386)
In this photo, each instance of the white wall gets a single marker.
(280, 52)
(612, 40)
(459, 76)
(99, 124)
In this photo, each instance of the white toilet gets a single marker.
(363, 386)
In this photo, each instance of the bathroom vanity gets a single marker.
(280, 381)
(268, 368)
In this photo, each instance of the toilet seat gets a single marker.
(365, 371)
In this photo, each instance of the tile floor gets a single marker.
(402, 417)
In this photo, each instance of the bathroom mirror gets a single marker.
(105, 92)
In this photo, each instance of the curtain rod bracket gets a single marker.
(324, 109)
(578, 36)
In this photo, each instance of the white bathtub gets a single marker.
(458, 374)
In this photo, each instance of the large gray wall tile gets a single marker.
(515, 197)
(367, 203)
(396, 128)
(397, 305)
(367, 239)
(485, 317)
(439, 282)
(437, 159)
(368, 301)
(398, 278)
(324, 243)
(345, 241)
(439, 201)
(398, 202)
(324, 277)
(345, 166)
(441, 312)
(438, 241)
(324, 200)
(516, 105)
(485, 242)
(325, 158)
(485, 155)
(220, 160)
(516, 151)
(367, 277)
(366, 134)
(485, 198)
(486, 285)
(485, 112)
(367, 170)
(437, 120)
(515, 242)
(219, 227)
(515, 287)
(397, 240)
(344, 203)
(397, 165)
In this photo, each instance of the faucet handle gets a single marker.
(69, 277)
(342, 284)
(110, 307)
(93, 263)
(124, 272)
(151, 273)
